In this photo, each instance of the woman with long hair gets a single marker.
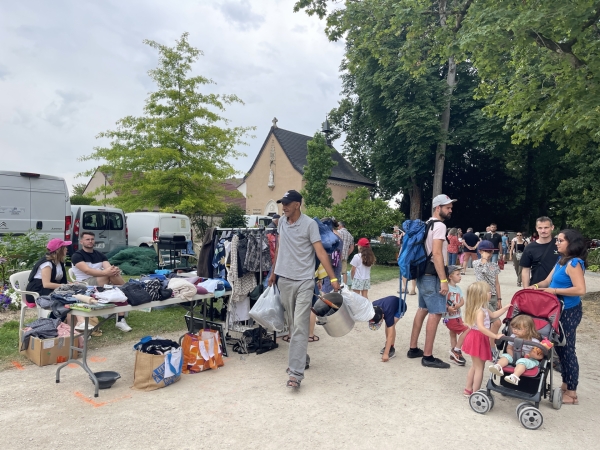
(567, 282)
(49, 272)
(361, 268)
(517, 246)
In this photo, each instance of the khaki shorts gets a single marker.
(91, 281)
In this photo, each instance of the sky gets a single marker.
(70, 69)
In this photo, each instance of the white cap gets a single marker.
(441, 200)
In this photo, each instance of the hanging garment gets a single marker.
(240, 286)
(219, 258)
(204, 268)
(242, 249)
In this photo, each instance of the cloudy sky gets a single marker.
(70, 69)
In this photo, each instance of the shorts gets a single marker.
(456, 325)
(528, 363)
(429, 294)
(361, 285)
(91, 281)
(493, 306)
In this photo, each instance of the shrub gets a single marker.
(21, 252)
(233, 217)
(385, 253)
(594, 257)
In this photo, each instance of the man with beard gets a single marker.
(496, 239)
(539, 257)
(432, 285)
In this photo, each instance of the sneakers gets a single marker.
(496, 369)
(437, 363)
(457, 357)
(391, 354)
(122, 325)
(416, 353)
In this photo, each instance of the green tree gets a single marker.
(365, 217)
(79, 188)
(317, 172)
(233, 217)
(176, 153)
(81, 200)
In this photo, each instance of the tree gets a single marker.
(81, 200)
(79, 188)
(176, 153)
(365, 217)
(233, 217)
(317, 172)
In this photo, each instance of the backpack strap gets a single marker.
(430, 225)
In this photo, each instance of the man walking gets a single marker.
(539, 257)
(496, 239)
(347, 248)
(433, 286)
(297, 244)
(470, 243)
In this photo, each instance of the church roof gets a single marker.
(294, 147)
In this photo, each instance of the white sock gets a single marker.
(456, 349)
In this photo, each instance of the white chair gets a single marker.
(19, 281)
(71, 274)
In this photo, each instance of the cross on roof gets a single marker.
(275, 122)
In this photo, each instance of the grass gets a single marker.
(159, 321)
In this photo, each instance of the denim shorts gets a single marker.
(429, 294)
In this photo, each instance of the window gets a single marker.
(115, 221)
(94, 220)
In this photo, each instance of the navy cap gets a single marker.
(290, 196)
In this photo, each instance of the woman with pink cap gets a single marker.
(49, 272)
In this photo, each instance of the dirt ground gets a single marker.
(349, 399)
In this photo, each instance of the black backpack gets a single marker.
(135, 293)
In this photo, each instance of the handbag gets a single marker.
(201, 351)
(518, 255)
(501, 263)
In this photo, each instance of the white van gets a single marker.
(108, 224)
(145, 227)
(32, 201)
(254, 220)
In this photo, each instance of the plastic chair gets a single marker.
(19, 281)
(71, 274)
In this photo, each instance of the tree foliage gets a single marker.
(317, 172)
(233, 217)
(176, 153)
(81, 200)
(79, 188)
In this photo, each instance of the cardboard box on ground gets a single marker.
(44, 352)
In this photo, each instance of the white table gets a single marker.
(198, 300)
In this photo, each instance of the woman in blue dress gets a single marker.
(567, 282)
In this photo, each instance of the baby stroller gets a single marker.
(536, 383)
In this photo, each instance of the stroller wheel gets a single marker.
(520, 406)
(557, 398)
(531, 418)
(480, 402)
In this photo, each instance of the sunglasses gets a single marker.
(519, 235)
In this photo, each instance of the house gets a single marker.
(279, 167)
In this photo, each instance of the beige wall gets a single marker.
(96, 182)
(260, 198)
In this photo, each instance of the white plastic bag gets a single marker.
(268, 310)
(114, 295)
(360, 307)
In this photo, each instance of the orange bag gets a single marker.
(202, 351)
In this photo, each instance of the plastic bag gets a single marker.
(360, 307)
(268, 310)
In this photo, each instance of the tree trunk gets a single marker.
(415, 196)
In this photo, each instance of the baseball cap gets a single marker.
(56, 243)
(276, 216)
(290, 196)
(453, 268)
(486, 246)
(441, 200)
(364, 242)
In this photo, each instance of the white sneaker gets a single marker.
(122, 325)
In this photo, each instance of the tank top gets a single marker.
(562, 280)
(486, 319)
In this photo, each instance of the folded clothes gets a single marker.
(85, 298)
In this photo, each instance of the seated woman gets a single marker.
(49, 272)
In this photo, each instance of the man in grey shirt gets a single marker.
(297, 244)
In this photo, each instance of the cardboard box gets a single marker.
(44, 352)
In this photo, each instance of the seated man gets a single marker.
(92, 267)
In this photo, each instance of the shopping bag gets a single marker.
(202, 351)
(149, 372)
(268, 310)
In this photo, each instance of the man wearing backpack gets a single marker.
(432, 285)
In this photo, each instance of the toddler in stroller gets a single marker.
(530, 379)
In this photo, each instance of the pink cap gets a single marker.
(56, 243)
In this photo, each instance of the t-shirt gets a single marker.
(562, 280)
(59, 272)
(362, 272)
(437, 232)
(93, 260)
(471, 239)
(526, 348)
(532, 256)
(486, 272)
(494, 238)
(389, 306)
(296, 254)
(454, 295)
(504, 241)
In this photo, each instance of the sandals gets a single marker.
(313, 338)
(293, 383)
(513, 379)
(569, 399)
(467, 393)
(496, 369)
(412, 293)
(286, 338)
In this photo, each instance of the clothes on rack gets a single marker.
(240, 286)
(205, 268)
(258, 256)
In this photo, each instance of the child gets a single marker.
(361, 268)
(453, 320)
(477, 343)
(388, 309)
(486, 270)
(522, 327)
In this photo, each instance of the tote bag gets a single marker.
(202, 351)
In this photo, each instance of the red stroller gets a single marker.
(536, 383)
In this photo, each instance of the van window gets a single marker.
(115, 221)
(94, 220)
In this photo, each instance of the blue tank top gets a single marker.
(561, 280)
